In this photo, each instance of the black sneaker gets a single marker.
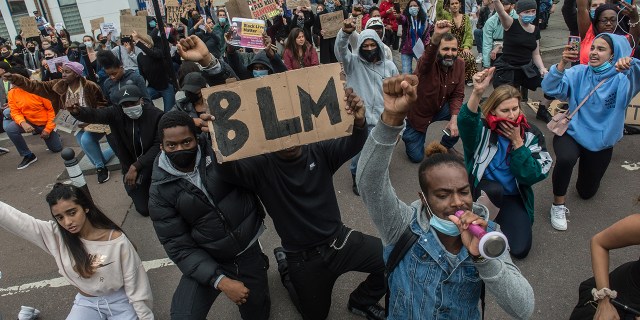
(543, 114)
(26, 161)
(103, 175)
(372, 312)
(354, 187)
(3, 151)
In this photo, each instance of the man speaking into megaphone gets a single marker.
(431, 247)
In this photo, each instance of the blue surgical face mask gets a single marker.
(445, 227)
(601, 68)
(222, 20)
(330, 7)
(592, 13)
(413, 11)
(528, 18)
(152, 24)
(260, 73)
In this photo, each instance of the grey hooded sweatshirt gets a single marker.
(365, 77)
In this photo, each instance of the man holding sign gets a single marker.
(296, 187)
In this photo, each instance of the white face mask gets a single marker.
(89, 44)
(133, 112)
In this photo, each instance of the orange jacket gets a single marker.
(30, 107)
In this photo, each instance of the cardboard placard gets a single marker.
(247, 33)
(150, 10)
(144, 13)
(107, 27)
(276, 112)
(98, 128)
(171, 3)
(292, 4)
(65, 121)
(189, 3)
(55, 64)
(331, 23)
(633, 111)
(173, 15)
(130, 23)
(233, 10)
(218, 3)
(95, 23)
(125, 12)
(29, 27)
(262, 9)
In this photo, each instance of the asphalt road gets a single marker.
(558, 261)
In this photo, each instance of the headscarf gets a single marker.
(75, 67)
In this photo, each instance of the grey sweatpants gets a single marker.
(114, 306)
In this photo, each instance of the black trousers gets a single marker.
(192, 300)
(624, 280)
(314, 272)
(592, 166)
(139, 193)
(513, 217)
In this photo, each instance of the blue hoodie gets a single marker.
(599, 123)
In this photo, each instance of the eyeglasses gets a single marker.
(607, 21)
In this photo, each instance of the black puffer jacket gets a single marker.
(195, 235)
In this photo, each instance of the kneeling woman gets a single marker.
(91, 252)
(505, 156)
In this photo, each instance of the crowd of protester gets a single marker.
(209, 216)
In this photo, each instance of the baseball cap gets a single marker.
(374, 22)
(129, 93)
(194, 82)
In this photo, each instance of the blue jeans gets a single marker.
(15, 131)
(414, 139)
(168, 96)
(407, 63)
(354, 160)
(477, 36)
(90, 144)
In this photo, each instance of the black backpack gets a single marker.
(406, 241)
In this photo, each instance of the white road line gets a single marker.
(61, 282)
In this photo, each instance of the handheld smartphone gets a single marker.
(574, 42)
(447, 132)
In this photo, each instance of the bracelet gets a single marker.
(210, 63)
(634, 24)
(603, 293)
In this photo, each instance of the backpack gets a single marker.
(406, 241)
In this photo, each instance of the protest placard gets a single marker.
(276, 112)
(29, 27)
(125, 12)
(98, 128)
(130, 23)
(173, 15)
(144, 13)
(171, 3)
(65, 121)
(189, 4)
(292, 4)
(150, 10)
(95, 23)
(56, 63)
(247, 33)
(107, 27)
(218, 3)
(331, 23)
(238, 9)
(633, 111)
(262, 9)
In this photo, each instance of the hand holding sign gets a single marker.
(400, 94)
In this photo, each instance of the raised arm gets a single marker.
(390, 214)
(341, 48)
(584, 19)
(621, 234)
(505, 18)
(41, 233)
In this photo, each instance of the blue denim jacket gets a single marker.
(421, 286)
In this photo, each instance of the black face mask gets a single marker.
(73, 55)
(48, 58)
(6, 54)
(32, 49)
(103, 41)
(184, 158)
(369, 55)
(192, 97)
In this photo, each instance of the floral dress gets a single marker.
(470, 67)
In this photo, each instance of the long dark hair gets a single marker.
(422, 16)
(95, 216)
(292, 45)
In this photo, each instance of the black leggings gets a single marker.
(592, 166)
(513, 217)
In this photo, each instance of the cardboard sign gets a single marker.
(144, 13)
(150, 10)
(29, 27)
(263, 9)
(125, 12)
(233, 10)
(292, 4)
(247, 33)
(189, 4)
(95, 23)
(128, 24)
(218, 3)
(65, 121)
(107, 27)
(98, 128)
(171, 3)
(276, 112)
(331, 23)
(55, 64)
(173, 15)
(633, 111)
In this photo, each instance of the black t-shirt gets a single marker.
(299, 194)
(519, 44)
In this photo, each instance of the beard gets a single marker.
(446, 60)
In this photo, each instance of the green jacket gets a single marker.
(467, 40)
(529, 164)
(220, 31)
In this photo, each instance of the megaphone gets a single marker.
(492, 244)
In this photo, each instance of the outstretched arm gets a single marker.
(505, 18)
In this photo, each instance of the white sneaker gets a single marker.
(28, 313)
(479, 60)
(559, 217)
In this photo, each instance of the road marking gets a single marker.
(631, 166)
(61, 282)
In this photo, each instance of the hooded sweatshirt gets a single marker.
(353, 39)
(365, 77)
(599, 123)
